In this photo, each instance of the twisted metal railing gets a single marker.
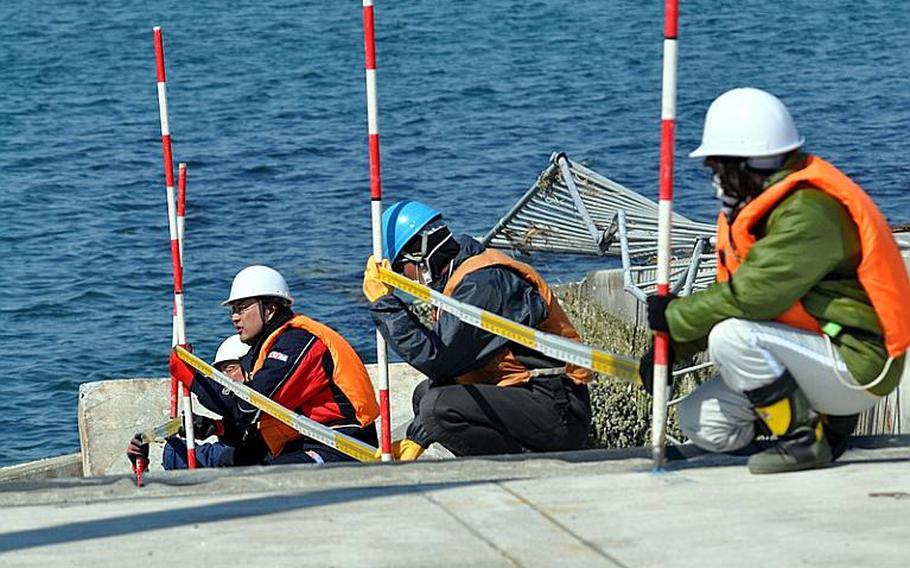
(574, 210)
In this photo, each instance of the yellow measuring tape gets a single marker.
(555, 346)
(163, 431)
(310, 428)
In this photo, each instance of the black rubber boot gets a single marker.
(801, 443)
(838, 430)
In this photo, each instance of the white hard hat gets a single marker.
(258, 281)
(747, 123)
(231, 349)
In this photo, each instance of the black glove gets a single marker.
(203, 427)
(657, 312)
(138, 448)
(417, 433)
(646, 369)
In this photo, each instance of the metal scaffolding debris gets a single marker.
(572, 209)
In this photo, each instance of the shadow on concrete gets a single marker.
(873, 460)
(224, 511)
(879, 442)
(689, 456)
(60, 483)
(678, 456)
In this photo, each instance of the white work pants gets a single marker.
(748, 355)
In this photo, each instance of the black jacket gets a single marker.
(452, 348)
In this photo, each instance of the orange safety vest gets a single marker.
(349, 375)
(881, 270)
(505, 369)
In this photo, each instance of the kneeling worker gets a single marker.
(809, 319)
(296, 361)
(484, 394)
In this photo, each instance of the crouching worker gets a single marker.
(809, 320)
(294, 360)
(484, 394)
(211, 454)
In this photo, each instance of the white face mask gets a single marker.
(718, 188)
(728, 202)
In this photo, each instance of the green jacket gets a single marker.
(807, 249)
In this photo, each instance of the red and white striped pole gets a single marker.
(181, 212)
(176, 262)
(369, 47)
(168, 179)
(665, 217)
(181, 215)
(181, 207)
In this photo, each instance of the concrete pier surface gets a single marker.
(593, 508)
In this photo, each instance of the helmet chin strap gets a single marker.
(425, 271)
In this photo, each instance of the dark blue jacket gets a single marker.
(451, 348)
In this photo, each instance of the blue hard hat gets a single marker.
(401, 222)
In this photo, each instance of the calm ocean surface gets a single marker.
(267, 107)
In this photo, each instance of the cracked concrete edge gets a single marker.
(339, 477)
(66, 466)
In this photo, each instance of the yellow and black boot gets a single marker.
(785, 410)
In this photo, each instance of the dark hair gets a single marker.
(278, 304)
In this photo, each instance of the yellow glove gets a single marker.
(373, 287)
(404, 450)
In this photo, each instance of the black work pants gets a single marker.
(307, 450)
(546, 414)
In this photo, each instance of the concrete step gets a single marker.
(593, 508)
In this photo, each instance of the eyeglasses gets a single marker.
(240, 308)
(230, 367)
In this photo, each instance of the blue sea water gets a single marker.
(267, 106)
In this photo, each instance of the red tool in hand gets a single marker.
(138, 454)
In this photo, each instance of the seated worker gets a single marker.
(228, 358)
(294, 360)
(484, 394)
(215, 454)
(211, 454)
(809, 319)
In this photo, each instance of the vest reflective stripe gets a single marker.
(349, 375)
(881, 271)
(505, 369)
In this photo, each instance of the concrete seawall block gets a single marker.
(110, 412)
(606, 289)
